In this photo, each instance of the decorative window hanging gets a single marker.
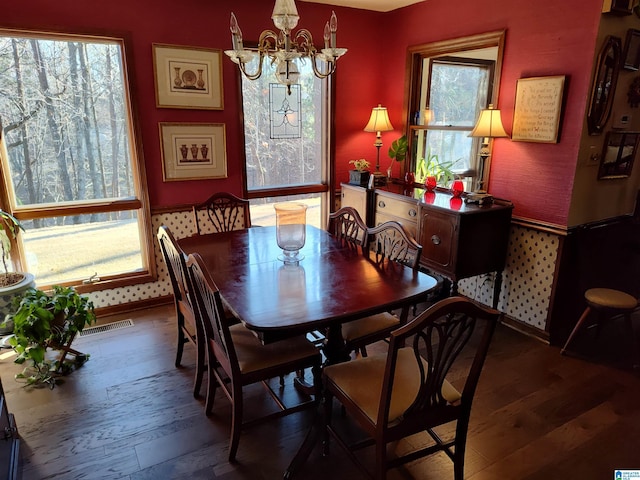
(284, 111)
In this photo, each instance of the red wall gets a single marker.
(545, 37)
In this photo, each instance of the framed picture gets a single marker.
(618, 155)
(536, 116)
(631, 55)
(188, 77)
(193, 151)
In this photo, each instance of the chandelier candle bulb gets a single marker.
(333, 26)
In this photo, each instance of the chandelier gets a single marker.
(285, 48)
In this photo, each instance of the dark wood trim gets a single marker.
(284, 191)
(526, 329)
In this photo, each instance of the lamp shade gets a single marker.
(379, 121)
(489, 124)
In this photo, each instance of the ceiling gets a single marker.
(377, 5)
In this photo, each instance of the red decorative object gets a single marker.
(409, 178)
(430, 183)
(429, 197)
(455, 203)
(457, 188)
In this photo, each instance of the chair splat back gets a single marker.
(347, 225)
(222, 212)
(390, 241)
(436, 339)
(175, 261)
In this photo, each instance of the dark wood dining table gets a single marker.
(331, 285)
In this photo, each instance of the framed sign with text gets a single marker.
(538, 109)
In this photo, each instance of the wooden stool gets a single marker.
(608, 303)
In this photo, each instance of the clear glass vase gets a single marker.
(291, 230)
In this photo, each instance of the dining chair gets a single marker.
(347, 225)
(405, 391)
(188, 327)
(388, 241)
(242, 359)
(221, 212)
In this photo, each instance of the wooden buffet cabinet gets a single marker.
(9, 442)
(458, 240)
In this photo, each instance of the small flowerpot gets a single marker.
(359, 177)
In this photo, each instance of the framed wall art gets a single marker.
(193, 151)
(618, 155)
(188, 77)
(631, 55)
(538, 107)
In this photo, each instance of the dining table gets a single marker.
(333, 283)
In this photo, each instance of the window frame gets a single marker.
(139, 203)
(326, 185)
(416, 56)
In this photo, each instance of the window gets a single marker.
(286, 138)
(70, 167)
(457, 91)
(452, 81)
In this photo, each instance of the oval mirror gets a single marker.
(604, 85)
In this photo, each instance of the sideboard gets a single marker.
(9, 442)
(459, 240)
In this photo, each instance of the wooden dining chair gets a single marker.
(242, 359)
(405, 391)
(221, 212)
(347, 225)
(188, 327)
(386, 242)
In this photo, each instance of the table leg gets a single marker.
(334, 349)
(497, 287)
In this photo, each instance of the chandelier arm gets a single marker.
(252, 76)
(331, 67)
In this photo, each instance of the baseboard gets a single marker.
(133, 306)
(526, 329)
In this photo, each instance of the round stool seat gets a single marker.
(610, 299)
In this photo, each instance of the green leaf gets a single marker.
(398, 149)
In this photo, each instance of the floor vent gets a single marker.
(107, 327)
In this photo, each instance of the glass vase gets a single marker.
(291, 226)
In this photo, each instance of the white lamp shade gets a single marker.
(379, 121)
(489, 124)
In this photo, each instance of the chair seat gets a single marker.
(369, 325)
(361, 380)
(609, 298)
(254, 356)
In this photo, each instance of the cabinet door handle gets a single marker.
(412, 213)
(381, 204)
(435, 239)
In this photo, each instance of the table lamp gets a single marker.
(488, 126)
(379, 122)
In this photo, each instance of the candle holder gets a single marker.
(291, 225)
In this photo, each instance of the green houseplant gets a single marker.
(359, 176)
(432, 167)
(12, 284)
(44, 320)
(397, 151)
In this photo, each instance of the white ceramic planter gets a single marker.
(7, 295)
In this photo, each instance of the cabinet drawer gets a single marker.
(410, 226)
(398, 208)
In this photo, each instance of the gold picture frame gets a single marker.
(538, 108)
(188, 77)
(193, 151)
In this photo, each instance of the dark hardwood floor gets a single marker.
(128, 413)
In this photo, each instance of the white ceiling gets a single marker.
(377, 5)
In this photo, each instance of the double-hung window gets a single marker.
(286, 143)
(71, 169)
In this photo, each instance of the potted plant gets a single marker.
(44, 320)
(359, 176)
(397, 151)
(431, 171)
(12, 284)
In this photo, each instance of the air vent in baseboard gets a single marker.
(107, 327)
